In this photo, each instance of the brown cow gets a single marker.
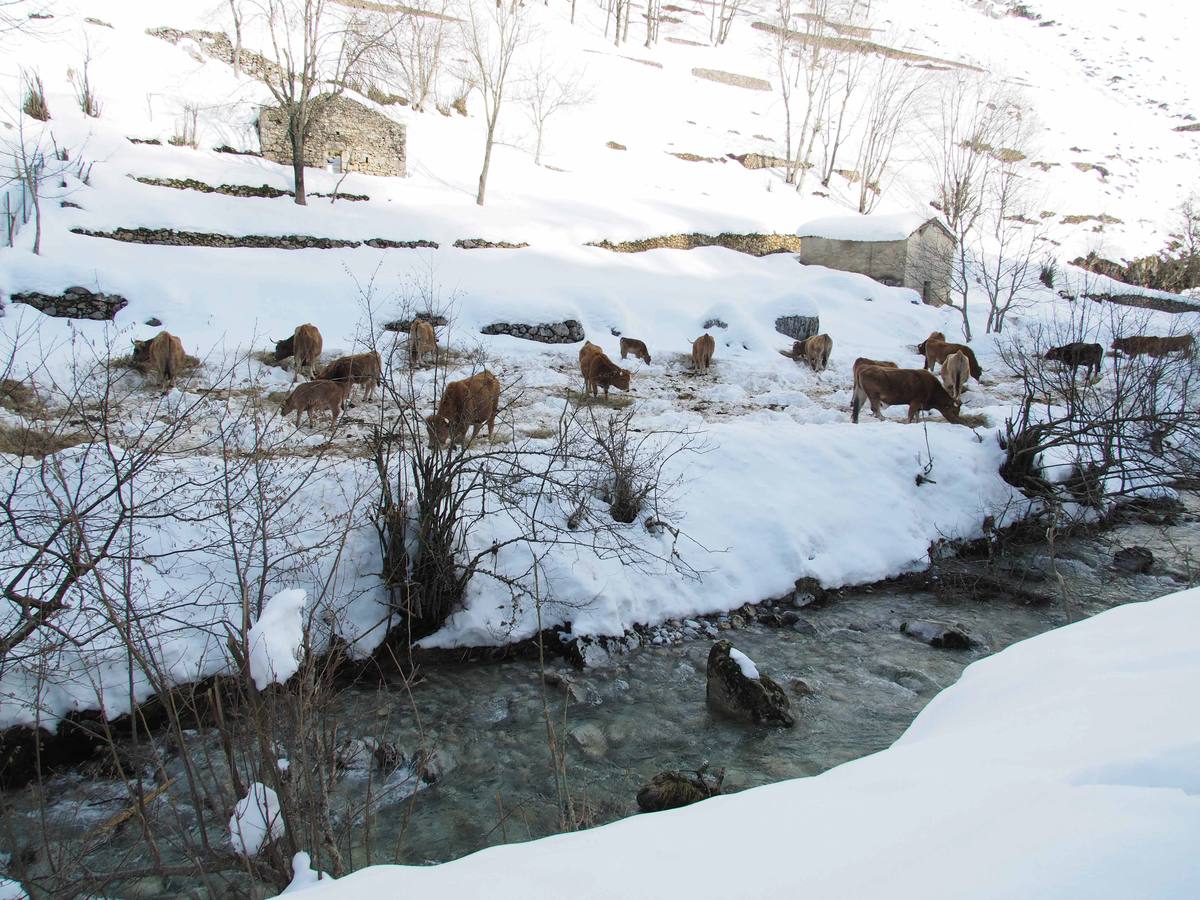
(1077, 354)
(919, 388)
(816, 351)
(317, 395)
(936, 348)
(468, 403)
(636, 347)
(601, 372)
(703, 349)
(1153, 346)
(586, 352)
(955, 372)
(862, 363)
(422, 342)
(161, 356)
(305, 346)
(362, 368)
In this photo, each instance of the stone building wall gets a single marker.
(882, 260)
(930, 254)
(357, 137)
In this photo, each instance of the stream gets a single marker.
(484, 774)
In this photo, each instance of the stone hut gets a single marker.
(903, 250)
(348, 136)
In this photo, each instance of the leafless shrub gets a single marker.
(186, 127)
(85, 89)
(35, 97)
(1082, 448)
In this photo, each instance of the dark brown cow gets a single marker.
(1149, 345)
(304, 346)
(468, 403)
(1078, 354)
(936, 348)
(636, 347)
(317, 395)
(601, 372)
(919, 388)
(862, 363)
(161, 356)
(362, 368)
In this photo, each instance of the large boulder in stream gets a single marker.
(737, 689)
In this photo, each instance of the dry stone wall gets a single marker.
(74, 303)
(754, 244)
(569, 331)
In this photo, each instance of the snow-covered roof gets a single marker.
(892, 227)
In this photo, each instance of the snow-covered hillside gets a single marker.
(800, 492)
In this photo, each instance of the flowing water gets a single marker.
(854, 680)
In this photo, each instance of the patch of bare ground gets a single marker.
(26, 440)
(855, 45)
(612, 401)
(733, 79)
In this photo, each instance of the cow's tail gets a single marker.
(856, 403)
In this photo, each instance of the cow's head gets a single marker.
(285, 348)
(620, 379)
(439, 430)
(141, 351)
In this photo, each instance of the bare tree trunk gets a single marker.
(625, 32)
(487, 161)
(37, 216)
(296, 133)
(237, 37)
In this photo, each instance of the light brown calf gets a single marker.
(918, 388)
(362, 368)
(162, 356)
(703, 349)
(936, 348)
(955, 372)
(312, 396)
(468, 403)
(422, 342)
(636, 347)
(817, 350)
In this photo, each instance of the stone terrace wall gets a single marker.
(882, 260)
(365, 140)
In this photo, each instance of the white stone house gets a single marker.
(901, 250)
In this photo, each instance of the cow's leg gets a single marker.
(312, 422)
(295, 369)
(491, 424)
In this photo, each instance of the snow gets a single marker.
(745, 663)
(12, 890)
(256, 821)
(304, 876)
(893, 227)
(1065, 766)
(276, 640)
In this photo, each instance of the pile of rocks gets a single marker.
(74, 303)
(569, 331)
(481, 244)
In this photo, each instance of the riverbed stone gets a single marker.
(589, 739)
(671, 790)
(939, 635)
(730, 692)
(1135, 560)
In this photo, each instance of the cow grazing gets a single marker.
(304, 346)
(468, 403)
(936, 348)
(1077, 354)
(312, 396)
(1137, 345)
(919, 388)
(422, 342)
(817, 350)
(601, 372)
(703, 349)
(636, 347)
(862, 363)
(362, 368)
(955, 372)
(161, 356)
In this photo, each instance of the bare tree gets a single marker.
(849, 67)
(787, 69)
(238, 17)
(721, 20)
(891, 97)
(316, 48)
(973, 123)
(547, 91)
(411, 56)
(492, 36)
(653, 20)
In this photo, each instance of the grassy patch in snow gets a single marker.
(612, 401)
(21, 440)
